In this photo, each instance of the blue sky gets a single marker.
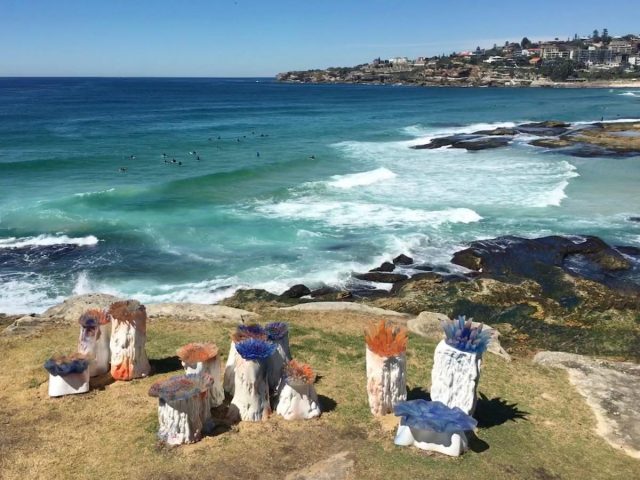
(261, 38)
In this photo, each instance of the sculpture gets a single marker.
(199, 358)
(183, 408)
(68, 374)
(243, 332)
(456, 364)
(386, 367)
(128, 337)
(297, 399)
(251, 396)
(277, 333)
(433, 426)
(95, 334)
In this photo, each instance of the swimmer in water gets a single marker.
(198, 158)
(179, 163)
(123, 169)
(312, 157)
(257, 154)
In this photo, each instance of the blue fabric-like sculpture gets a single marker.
(253, 349)
(276, 330)
(66, 365)
(434, 416)
(253, 330)
(180, 387)
(461, 334)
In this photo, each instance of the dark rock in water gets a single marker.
(424, 268)
(634, 219)
(385, 267)
(296, 291)
(380, 277)
(482, 143)
(444, 141)
(497, 131)
(403, 259)
(549, 128)
(467, 141)
(628, 250)
(322, 291)
(246, 298)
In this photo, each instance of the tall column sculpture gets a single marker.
(128, 338)
(251, 396)
(95, 335)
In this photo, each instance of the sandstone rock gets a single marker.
(402, 259)
(551, 142)
(70, 310)
(199, 312)
(336, 467)
(344, 306)
(611, 389)
(296, 291)
(385, 267)
(381, 277)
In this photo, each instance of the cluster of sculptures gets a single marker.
(440, 424)
(260, 375)
(110, 340)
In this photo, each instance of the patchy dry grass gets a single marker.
(532, 423)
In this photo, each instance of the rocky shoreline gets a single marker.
(576, 294)
(597, 139)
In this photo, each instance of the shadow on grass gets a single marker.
(496, 411)
(165, 365)
(101, 381)
(476, 444)
(418, 393)
(327, 404)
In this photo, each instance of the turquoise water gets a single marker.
(334, 189)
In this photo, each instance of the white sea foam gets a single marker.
(88, 194)
(362, 179)
(629, 94)
(360, 214)
(47, 240)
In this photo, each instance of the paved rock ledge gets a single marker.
(611, 389)
(345, 306)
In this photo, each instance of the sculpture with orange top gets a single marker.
(201, 358)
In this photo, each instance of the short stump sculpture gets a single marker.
(95, 334)
(278, 334)
(456, 364)
(251, 396)
(200, 358)
(68, 374)
(297, 399)
(433, 426)
(243, 332)
(183, 408)
(386, 367)
(128, 338)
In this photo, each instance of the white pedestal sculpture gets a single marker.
(128, 338)
(95, 334)
(200, 358)
(251, 396)
(386, 367)
(242, 332)
(454, 377)
(183, 408)
(433, 426)
(68, 375)
(297, 399)
(278, 334)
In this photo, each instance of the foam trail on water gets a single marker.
(47, 241)
(362, 179)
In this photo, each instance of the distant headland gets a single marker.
(597, 60)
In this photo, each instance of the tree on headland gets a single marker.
(559, 71)
(605, 35)
(525, 43)
(596, 35)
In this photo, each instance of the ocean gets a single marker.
(277, 184)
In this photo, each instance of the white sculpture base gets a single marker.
(453, 444)
(275, 365)
(213, 368)
(251, 396)
(128, 356)
(68, 384)
(230, 370)
(454, 378)
(182, 421)
(386, 382)
(298, 402)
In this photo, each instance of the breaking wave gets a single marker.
(47, 241)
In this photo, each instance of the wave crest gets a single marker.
(45, 240)
(362, 179)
